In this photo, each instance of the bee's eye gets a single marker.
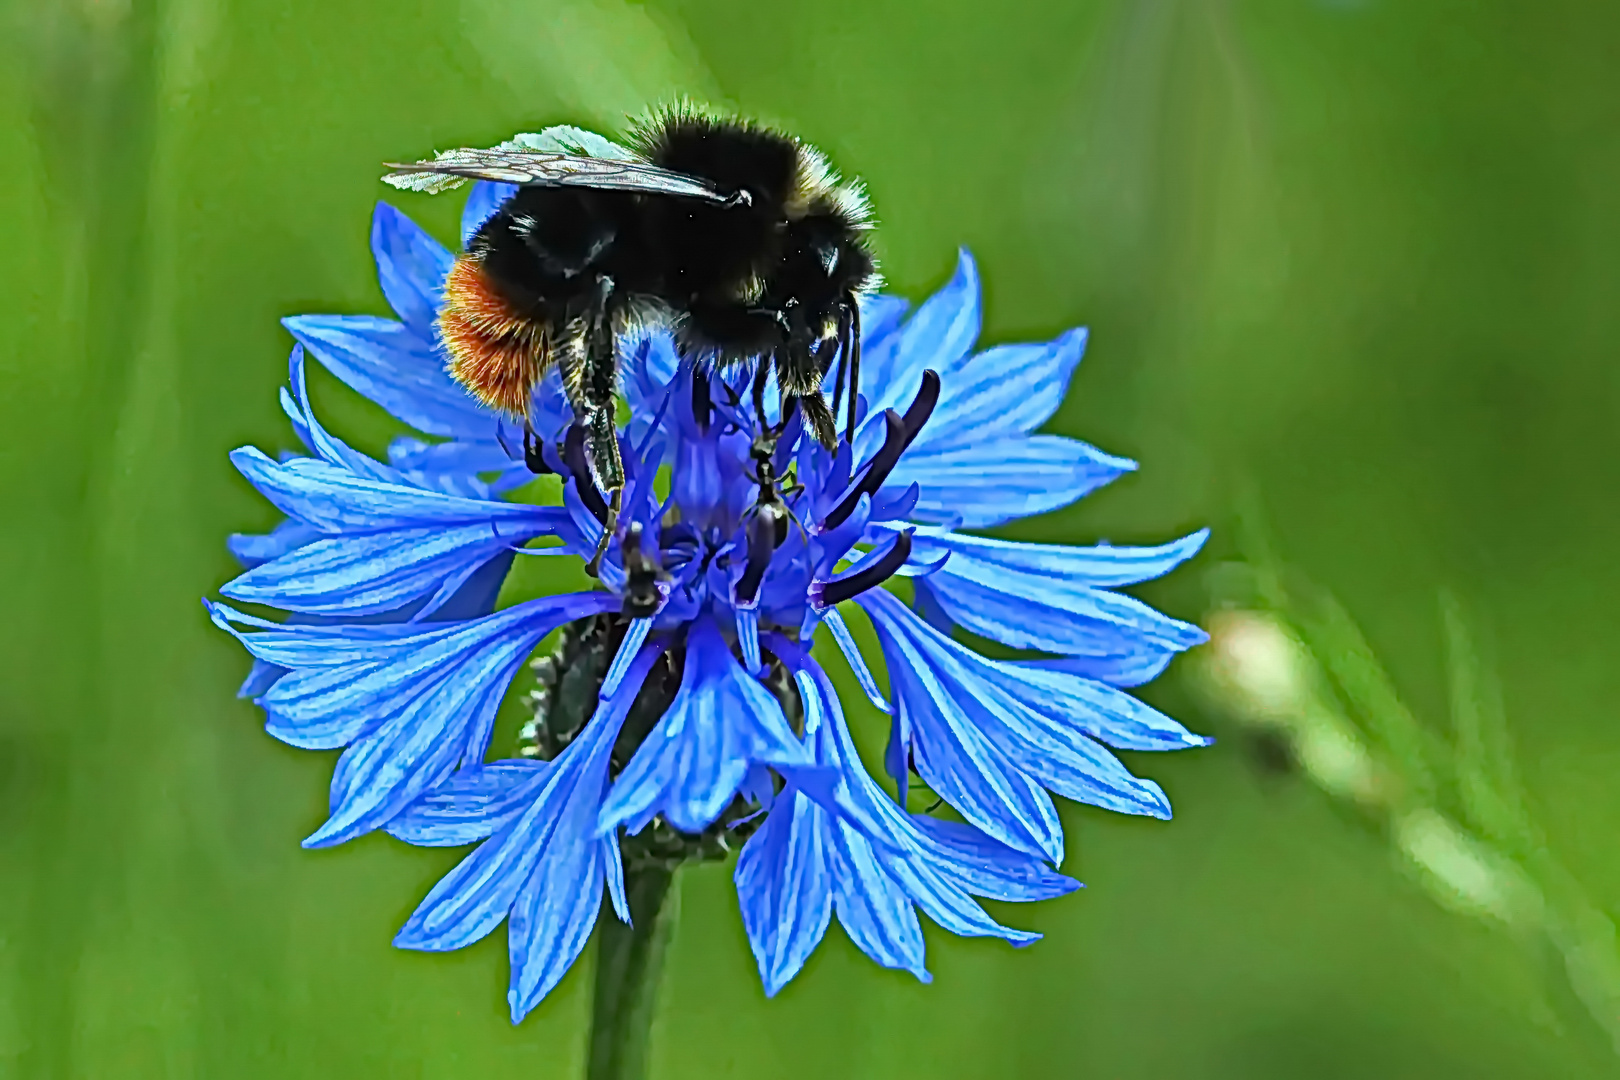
(828, 254)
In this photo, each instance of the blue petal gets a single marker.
(325, 446)
(880, 318)
(613, 861)
(648, 365)
(747, 621)
(251, 550)
(1030, 612)
(721, 722)
(998, 479)
(376, 670)
(857, 662)
(954, 757)
(478, 592)
(937, 866)
(977, 777)
(873, 909)
(373, 572)
(629, 649)
(398, 368)
(1016, 592)
(1100, 710)
(464, 456)
(830, 546)
(555, 911)
(989, 561)
(545, 867)
(483, 200)
(1006, 390)
(335, 499)
(472, 899)
(412, 704)
(876, 862)
(783, 889)
(310, 641)
(261, 677)
(414, 747)
(265, 674)
(880, 342)
(986, 867)
(1126, 671)
(927, 607)
(937, 336)
(471, 805)
(411, 267)
(965, 691)
(893, 504)
(473, 599)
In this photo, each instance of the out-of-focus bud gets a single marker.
(1263, 675)
(1263, 669)
(1463, 873)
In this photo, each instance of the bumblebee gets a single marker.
(739, 239)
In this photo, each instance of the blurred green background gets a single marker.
(1366, 255)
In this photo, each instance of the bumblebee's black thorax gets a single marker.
(739, 240)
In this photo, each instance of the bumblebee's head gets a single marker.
(823, 263)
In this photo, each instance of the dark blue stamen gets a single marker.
(894, 436)
(899, 433)
(922, 406)
(828, 593)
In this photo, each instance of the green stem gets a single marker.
(629, 964)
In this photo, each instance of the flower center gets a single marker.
(758, 515)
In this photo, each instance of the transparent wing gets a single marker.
(513, 166)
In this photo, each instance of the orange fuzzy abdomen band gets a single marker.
(496, 353)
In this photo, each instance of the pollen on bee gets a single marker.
(496, 353)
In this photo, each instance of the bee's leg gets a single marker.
(601, 385)
(820, 418)
(842, 361)
(615, 491)
(590, 380)
(799, 372)
(850, 328)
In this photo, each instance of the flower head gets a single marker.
(692, 711)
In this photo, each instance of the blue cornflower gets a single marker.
(710, 713)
